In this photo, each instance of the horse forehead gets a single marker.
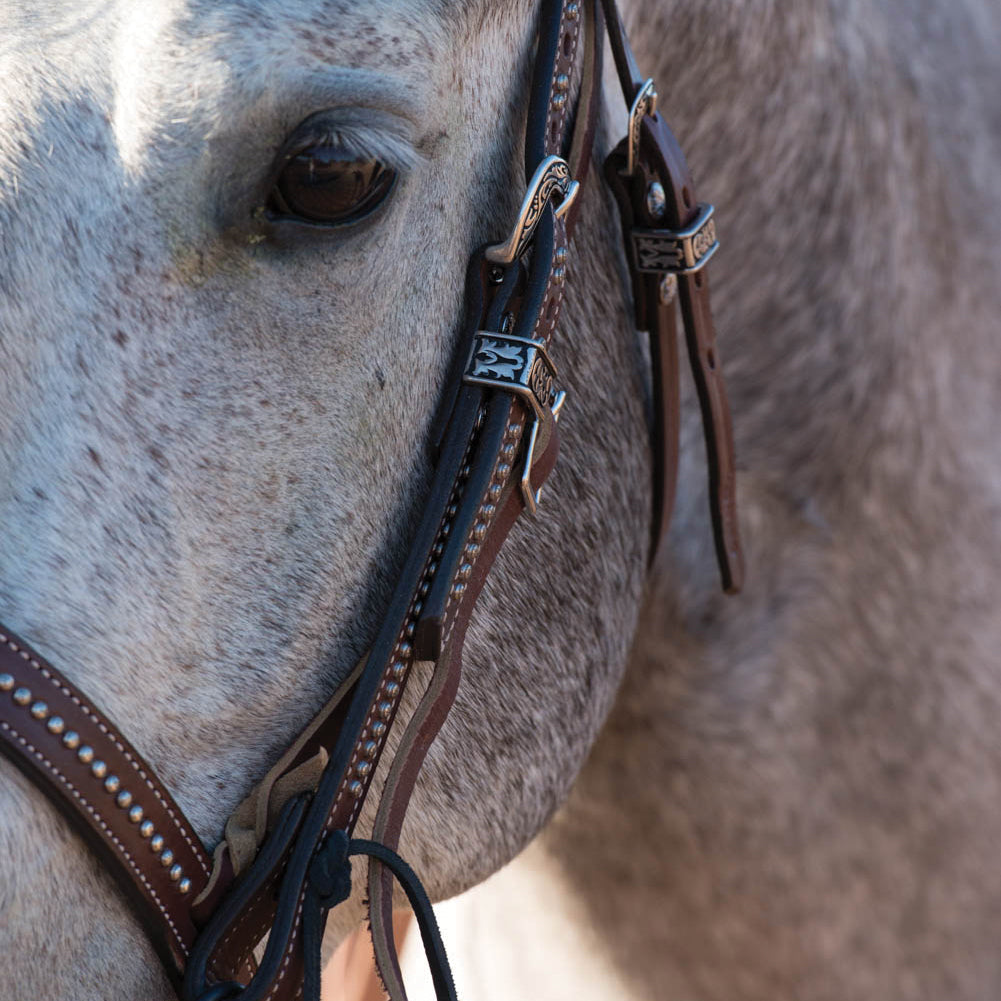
(139, 61)
(109, 94)
(104, 100)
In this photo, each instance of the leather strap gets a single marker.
(51, 731)
(653, 220)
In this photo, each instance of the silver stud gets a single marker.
(369, 748)
(452, 510)
(384, 709)
(363, 768)
(503, 469)
(573, 11)
(146, 828)
(668, 289)
(6, 682)
(513, 428)
(466, 470)
(559, 100)
(40, 710)
(438, 549)
(99, 769)
(494, 492)
(458, 590)
(112, 783)
(432, 568)
(55, 725)
(409, 629)
(124, 799)
(392, 689)
(424, 588)
(378, 730)
(473, 550)
(184, 886)
(176, 872)
(418, 608)
(405, 649)
(562, 82)
(479, 530)
(156, 843)
(22, 696)
(86, 754)
(166, 857)
(465, 570)
(560, 257)
(136, 814)
(355, 788)
(71, 739)
(559, 276)
(656, 200)
(398, 669)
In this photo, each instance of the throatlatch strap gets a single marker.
(669, 238)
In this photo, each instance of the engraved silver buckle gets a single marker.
(645, 103)
(552, 177)
(677, 252)
(521, 366)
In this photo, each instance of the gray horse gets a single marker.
(212, 443)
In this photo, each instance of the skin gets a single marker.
(796, 794)
(206, 485)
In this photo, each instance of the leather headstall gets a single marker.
(284, 860)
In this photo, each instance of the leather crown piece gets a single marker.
(283, 862)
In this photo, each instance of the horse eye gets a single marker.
(330, 185)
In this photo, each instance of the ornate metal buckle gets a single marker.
(645, 103)
(677, 252)
(552, 177)
(523, 367)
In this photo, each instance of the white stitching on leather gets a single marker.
(288, 953)
(24, 742)
(90, 713)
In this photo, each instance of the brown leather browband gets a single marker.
(495, 442)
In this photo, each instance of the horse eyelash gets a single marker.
(367, 140)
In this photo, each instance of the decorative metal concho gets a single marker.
(551, 178)
(678, 252)
(520, 366)
(516, 364)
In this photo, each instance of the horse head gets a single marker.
(218, 391)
